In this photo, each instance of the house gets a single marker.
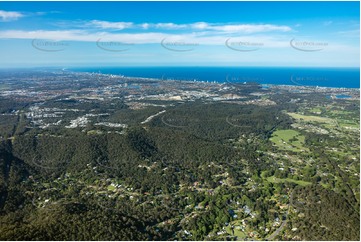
(246, 210)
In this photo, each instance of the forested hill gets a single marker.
(207, 162)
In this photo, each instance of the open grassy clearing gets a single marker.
(289, 139)
(237, 232)
(311, 118)
(329, 123)
(274, 179)
(349, 125)
(315, 110)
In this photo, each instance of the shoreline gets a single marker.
(68, 70)
(214, 82)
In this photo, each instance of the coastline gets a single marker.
(332, 93)
(221, 83)
(313, 77)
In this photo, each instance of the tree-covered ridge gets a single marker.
(180, 170)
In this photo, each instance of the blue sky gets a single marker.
(316, 34)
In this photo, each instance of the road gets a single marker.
(284, 222)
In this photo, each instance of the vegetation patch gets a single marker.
(274, 179)
(289, 139)
(311, 118)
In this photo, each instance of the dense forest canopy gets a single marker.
(265, 165)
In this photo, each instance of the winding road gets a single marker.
(284, 222)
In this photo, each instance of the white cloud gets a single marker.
(251, 28)
(145, 38)
(79, 35)
(227, 28)
(201, 33)
(145, 25)
(240, 28)
(9, 16)
(168, 26)
(200, 25)
(111, 25)
(326, 23)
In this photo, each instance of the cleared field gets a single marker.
(111, 188)
(316, 110)
(311, 118)
(349, 125)
(274, 179)
(289, 139)
(340, 112)
(240, 234)
(329, 123)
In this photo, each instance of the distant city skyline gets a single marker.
(293, 34)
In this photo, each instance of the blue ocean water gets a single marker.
(322, 77)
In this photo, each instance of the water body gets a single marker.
(341, 96)
(322, 77)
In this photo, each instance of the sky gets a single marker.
(67, 34)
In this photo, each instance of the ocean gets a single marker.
(322, 77)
